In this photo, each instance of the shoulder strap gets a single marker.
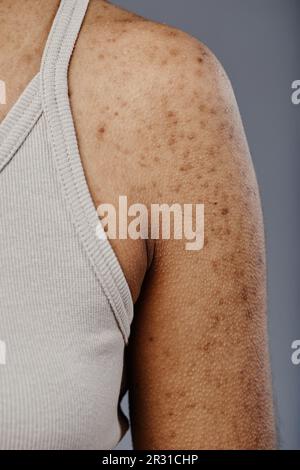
(58, 114)
(62, 37)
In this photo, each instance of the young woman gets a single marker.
(102, 103)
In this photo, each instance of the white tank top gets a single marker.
(65, 306)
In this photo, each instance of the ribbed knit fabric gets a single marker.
(65, 306)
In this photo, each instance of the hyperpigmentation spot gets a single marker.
(186, 167)
(174, 52)
(101, 132)
(225, 211)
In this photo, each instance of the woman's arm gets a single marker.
(198, 357)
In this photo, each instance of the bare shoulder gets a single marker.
(161, 106)
(128, 41)
(166, 86)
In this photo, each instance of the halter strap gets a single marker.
(57, 109)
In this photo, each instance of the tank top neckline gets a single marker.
(47, 94)
(23, 114)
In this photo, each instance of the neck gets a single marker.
(25, 24)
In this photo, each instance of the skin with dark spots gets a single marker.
(101, 131)
(20, 56)
(186, 167)
(174, 52)
(156, 120)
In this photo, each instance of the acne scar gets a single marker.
(174, 52)
(186, 167)
(101, 131)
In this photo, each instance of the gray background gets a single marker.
(258, 42)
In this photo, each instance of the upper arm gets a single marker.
(198, 355)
